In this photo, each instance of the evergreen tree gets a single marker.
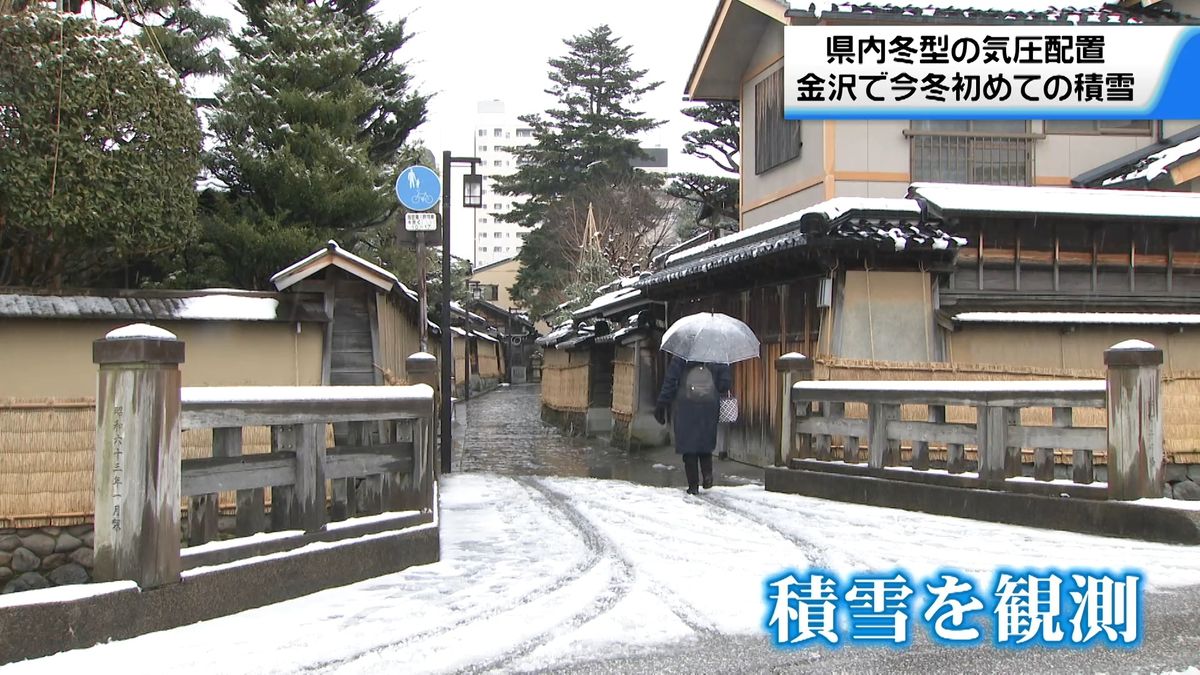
(175, 29)
(309, 136)
(99, 151)
(587, 139)
(716, 196)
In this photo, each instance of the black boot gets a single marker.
(693, 474)
(706, 470)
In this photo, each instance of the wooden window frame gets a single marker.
(776, 140)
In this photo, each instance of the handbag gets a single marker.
(729, 410)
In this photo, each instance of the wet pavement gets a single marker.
(502, 432)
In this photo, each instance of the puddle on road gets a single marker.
(502, 432)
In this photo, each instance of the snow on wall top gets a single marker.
(140, 331)
(1058, 200)
(1098, 318)
(229, 308)
(157, 306)
(1157, 164)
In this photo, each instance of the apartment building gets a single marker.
(497, 130)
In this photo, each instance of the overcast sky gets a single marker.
(473, 50)
(466, 51)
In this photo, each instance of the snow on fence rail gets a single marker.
(383, 460)
(815, 423)
(367, 478)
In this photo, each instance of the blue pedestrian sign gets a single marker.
(419, 188)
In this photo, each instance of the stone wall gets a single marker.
(41, 557)
(1183, 481)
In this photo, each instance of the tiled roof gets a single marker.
(884, 225)
(1101, 175)
(1160, 13)
(1155, 166)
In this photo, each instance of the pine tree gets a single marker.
(174, 29)
(587, 139)
(310, 134)
(716, 196)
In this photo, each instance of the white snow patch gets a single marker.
(259, 538)
(254, 395)
(369, 520)
(1157, 164)
(229, 308)
(516, 572)
(64, 593)
(1164, 503)
(937, 386)
(1133, 345)
(1059, 200)
(140, 331)
(608, 299)
(315, 546)
(1099, 318)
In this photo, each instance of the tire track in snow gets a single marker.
(600, 546)
(682, 610)
(815, 556)
(592, 541)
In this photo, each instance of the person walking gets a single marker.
(690, 395)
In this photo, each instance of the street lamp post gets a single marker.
(472, 199)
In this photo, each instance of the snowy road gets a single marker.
(547, 573)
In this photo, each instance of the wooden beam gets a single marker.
(210, 407)
(222, 474)
(365, 460)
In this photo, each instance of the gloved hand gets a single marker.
(660, 413)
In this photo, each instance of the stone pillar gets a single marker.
(137, 456)
(422, 368)
(793, 367)
(1135, 425)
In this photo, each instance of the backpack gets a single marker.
(699, 385)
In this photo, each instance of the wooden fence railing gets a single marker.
(1132, 439)
(384, 464)
(384, 469)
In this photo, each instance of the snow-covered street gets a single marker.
(542, 573)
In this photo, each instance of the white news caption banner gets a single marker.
(991, 72)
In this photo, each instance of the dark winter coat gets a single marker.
(695, 423)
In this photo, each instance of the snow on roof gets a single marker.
(560, 331)
(609, 299)
(337, 256)
(986, 11)
(1157, 164)
(1097, 318)
(830, 209)
(996, 199)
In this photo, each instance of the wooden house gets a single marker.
(577, 378)
(1023, 278)
(517, 335)
(336, 319)
(636, 324)
(849, 251)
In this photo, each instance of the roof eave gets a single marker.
(717, 35)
